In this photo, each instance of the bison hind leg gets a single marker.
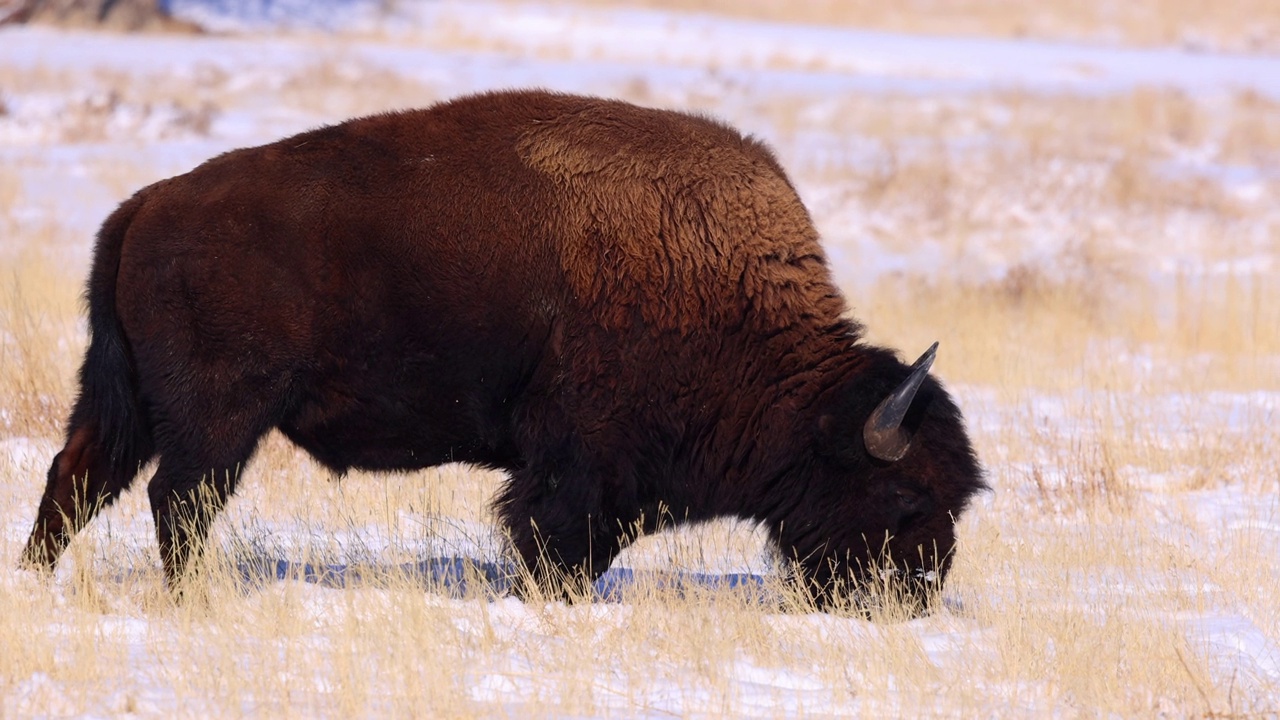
(201, 458)
(88, 474)
(186, 493)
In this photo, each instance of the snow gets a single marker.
(1235, 644)
(870, 59)
(681, 60)
(948, 62)
(1238, 650)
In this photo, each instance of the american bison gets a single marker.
(625, 309)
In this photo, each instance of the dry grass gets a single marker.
(1083, 610)
(39, 343)
(1115, 348)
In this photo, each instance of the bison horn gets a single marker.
(883, 435)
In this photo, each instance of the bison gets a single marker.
(627, 310)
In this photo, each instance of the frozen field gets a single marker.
(1092, 232)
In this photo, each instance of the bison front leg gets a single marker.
(562, 533)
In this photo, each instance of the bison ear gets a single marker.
(883, 433)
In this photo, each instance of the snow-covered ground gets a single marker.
(1173, 551)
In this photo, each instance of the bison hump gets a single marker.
(678, 218)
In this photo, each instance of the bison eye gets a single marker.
(912, 504)
(908, 499)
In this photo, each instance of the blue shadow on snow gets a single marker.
(453, 575)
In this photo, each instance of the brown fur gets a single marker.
(626, 309)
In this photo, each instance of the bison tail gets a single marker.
(108, 380)
(108, 437)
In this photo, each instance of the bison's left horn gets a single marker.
(883, 433)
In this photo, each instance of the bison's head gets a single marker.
(892, 472)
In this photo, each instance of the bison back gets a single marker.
(398, 285)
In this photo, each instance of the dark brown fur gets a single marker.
(628, 310)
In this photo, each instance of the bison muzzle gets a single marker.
(627, 310)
